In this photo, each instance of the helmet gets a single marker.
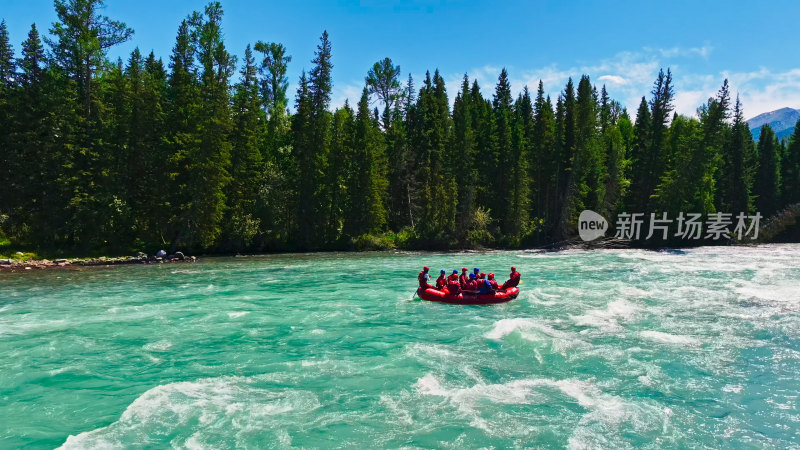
(491, 276)
(513, 269)
(483, 275)
(476, 270)
(471, 276)
(441, 271)
(426, 268)
(463, 269)
(455, 271)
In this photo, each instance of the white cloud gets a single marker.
(613, 79)
(681, 52)
(350, 92)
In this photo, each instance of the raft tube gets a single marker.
(435, 295)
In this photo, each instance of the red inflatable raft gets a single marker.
(435, 295)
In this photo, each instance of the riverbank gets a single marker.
(23, 264)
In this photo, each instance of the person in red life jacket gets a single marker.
(513, 279)
(423, 278)
(441, 282)
(453, 283)
(493, 282)
(471, 287)
(464, 278)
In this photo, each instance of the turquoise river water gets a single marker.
(609, 349)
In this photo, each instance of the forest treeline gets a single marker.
(203, 152)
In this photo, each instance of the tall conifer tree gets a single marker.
(766, 186)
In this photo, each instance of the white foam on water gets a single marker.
(785, 293)
(607, 319)
(398, 412)
(672, 339)
(504, 327)
(160, 346)
(609, 410)
(235, 314)
(19, 326)
(514, 392)
(219, 406)
(317, 331)
(535, 331)
(435, 350)
(734, 388)
(632, 291)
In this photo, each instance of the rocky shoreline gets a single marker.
(11, 265)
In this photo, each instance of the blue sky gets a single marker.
(619, 43)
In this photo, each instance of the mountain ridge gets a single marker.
(782, 122)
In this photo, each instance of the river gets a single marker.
(609, 348)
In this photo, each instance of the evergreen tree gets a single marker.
(498, 160)
(568, 134)
(341, 172)
(208, 157)
(302, 164)
(640, 149)
(616, 182)
(398, 167)
(276, 197)
(483, 122)
(249, 126)
(311, 130)
(465, 149)
(147, 133)
(383, 81)
(81, 38)
(649, 161)
(367, 183)
(517, 221)
(113, 158)
(8, 158)
(429, 141)
(606, 105)
(766, 186)
(274, 83)
(182, 121)
(676, 191)
(736, 184)
(544, 165)
(37, 149)
(584, 175)
(790, 166)
(713, 117)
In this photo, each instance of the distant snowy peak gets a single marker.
(782, 122)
